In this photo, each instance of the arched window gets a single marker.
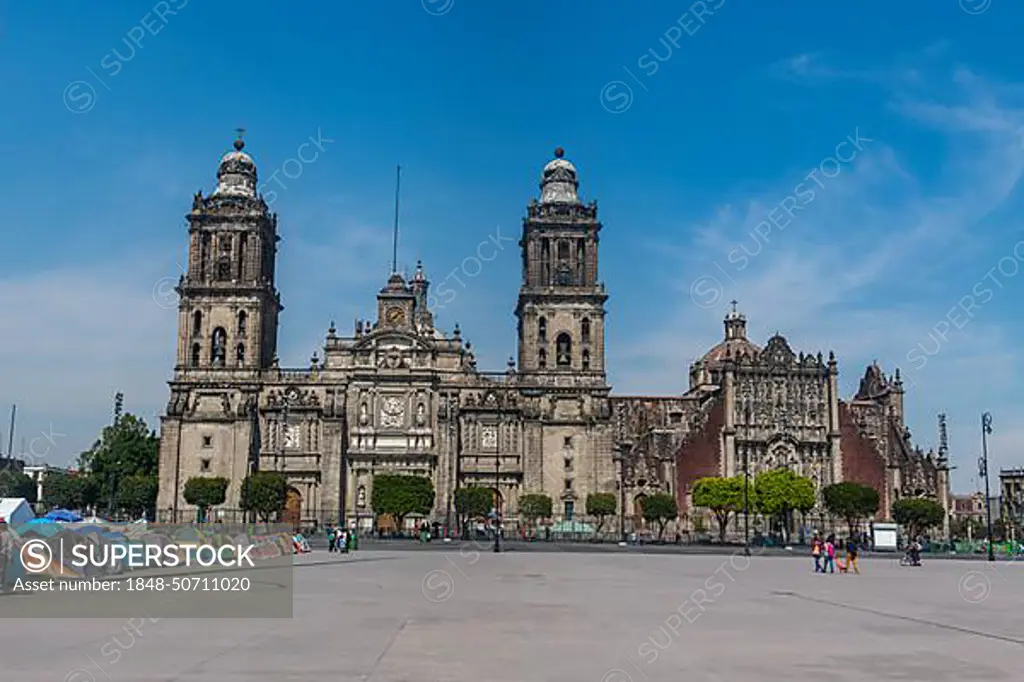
(196, 351)
(542, 358)
(586, 360)
(240, 355)
(542, 330)
(563, 353)
(197, 324)
(242, 319)
(585, 330)
(218, 350)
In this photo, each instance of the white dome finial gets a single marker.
(558, 184)
(236, 175)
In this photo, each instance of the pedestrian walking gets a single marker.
(332, 540)
(816, 553)
(830, 555)
(851, 556)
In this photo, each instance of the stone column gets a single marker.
(729, 432)
(834, 433)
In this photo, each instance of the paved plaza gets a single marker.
(469, 615)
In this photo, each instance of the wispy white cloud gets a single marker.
(850, 272)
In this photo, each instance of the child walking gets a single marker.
(830, 555)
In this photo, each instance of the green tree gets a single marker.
(17, 484)
(471, 503)
(724, 497)
(780, 492)
(137, 495)
(601, 505)
(917, 514)
(853, 502)
(264, 493)
(660, 508)
(534, 506)
(63, 490)
(205, 492)
(400, 495)
(125, 448)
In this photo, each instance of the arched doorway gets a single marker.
(292, 514)
(638, 511)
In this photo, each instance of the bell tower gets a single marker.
(228, 308)
(561, 301)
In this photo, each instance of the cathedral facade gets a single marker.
(399, 395)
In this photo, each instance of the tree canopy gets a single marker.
(472, 503)
(853, 502)
(601, 505)
(16, 484)
(136, 495)
(400, 495)
(63, 490)
(205, 492)
(125, 448)
(264, 493)
(917, 514)
(660, 508)
(534, 506)
(780, 492)
(724, 497)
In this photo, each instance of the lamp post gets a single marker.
(986, 429)
(746, 503)
(497, 502)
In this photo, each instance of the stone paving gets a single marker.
(394, 616)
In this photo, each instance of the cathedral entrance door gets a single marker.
(292, 508)
(638, 511)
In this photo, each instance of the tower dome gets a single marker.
(558, 183)
(236, 175)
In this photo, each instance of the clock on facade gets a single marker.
(395, 316)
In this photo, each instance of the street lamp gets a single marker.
(497, 502)
(986, 429)
(746, 503)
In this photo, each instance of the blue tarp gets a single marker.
(64, 515)
(39, 527)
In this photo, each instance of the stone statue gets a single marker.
(421, 415)
(364, 414)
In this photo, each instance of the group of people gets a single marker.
(339, 540)
(824, 553)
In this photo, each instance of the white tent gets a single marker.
(15, 511)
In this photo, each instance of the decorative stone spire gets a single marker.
(735, 323)
(236, 175)
(559, 184)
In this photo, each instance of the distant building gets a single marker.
(38, 473)
(399, 395)
(1011, 485)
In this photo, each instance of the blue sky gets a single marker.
(691, 131)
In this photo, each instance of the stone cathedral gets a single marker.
(399, 395)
